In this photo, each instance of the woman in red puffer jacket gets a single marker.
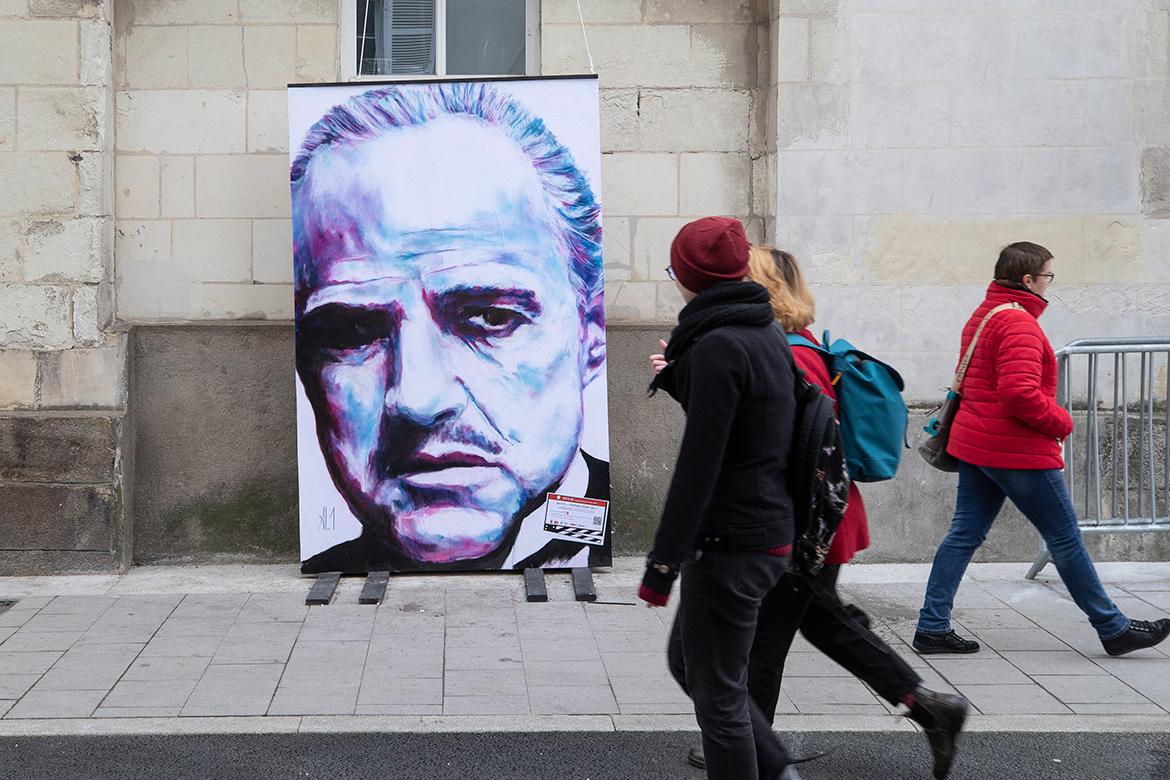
(1008, 435)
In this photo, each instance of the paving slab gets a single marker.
(572, 700)
(1067, 662)
(406, 662)
(392, 690)
(583, 673)
(166, 668)
(60, 621)
(257, 643)
(28, 662)
(234, 689)
(506, 682)
(631, 664)
(565, 649)
(977, 669)
(56, 704)
(812, 695)
(184, 627)
(89, 667)
(650, 693)
(201, 646)
(486, 705)
(479, 657)
(169, 695)
(272, 608)
(1004, 639)
(40, 641)
(77, 605)
(1028, 699)
(1089, 690)
(14, 685)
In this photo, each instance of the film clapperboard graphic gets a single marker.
(579, 519)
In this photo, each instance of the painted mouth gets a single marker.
(451, 469)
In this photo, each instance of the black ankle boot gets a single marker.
(941, 715)
(697, 759)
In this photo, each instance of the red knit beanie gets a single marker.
(709, 250)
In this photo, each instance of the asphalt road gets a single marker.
(566, 756)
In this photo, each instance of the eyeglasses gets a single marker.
(670, 273)
(1050, 276)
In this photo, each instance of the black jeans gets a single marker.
(720, 599)
(840, 631)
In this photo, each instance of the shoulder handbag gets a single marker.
(933, 446)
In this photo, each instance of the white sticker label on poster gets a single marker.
(579, 519)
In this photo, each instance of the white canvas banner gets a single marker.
(450, 325)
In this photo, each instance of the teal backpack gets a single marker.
(869, 406)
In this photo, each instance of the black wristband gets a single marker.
(659, 576)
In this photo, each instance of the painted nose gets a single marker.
(426, 390)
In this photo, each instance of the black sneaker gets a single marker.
(950, 642)
(1141, 634)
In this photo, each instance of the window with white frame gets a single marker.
(404, 38)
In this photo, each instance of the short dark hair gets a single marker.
(1020, 259)
(371, 114)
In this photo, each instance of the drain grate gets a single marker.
(4, 605)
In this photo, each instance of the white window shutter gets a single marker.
(411, 28)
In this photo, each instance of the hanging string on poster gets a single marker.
(585, 35)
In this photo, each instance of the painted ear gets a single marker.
(594, 343)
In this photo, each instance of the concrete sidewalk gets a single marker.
(223, 649)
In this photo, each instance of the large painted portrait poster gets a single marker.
(450, 325)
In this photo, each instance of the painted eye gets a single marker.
(494, 320)
(482, 314)
(338, 331)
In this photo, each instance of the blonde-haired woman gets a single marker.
(840, 631)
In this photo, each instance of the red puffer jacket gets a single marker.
(1009, 417)
(853, 533)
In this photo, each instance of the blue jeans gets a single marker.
(1043, 498)
(708, 652)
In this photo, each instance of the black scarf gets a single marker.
(723, 303)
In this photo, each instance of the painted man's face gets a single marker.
(443, 344)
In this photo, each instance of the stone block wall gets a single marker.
(203, 234)
(680, 127)
(892, 145)
(919, 137)
(62, 366)
(201, 146)
(59, 486)
(56, 209)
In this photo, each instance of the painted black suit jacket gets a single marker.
(369, 553)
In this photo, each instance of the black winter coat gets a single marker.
(736, 386)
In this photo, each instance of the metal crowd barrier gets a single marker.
(1117, 465)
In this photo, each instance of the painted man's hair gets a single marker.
(379, 111)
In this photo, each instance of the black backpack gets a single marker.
(818, 479)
